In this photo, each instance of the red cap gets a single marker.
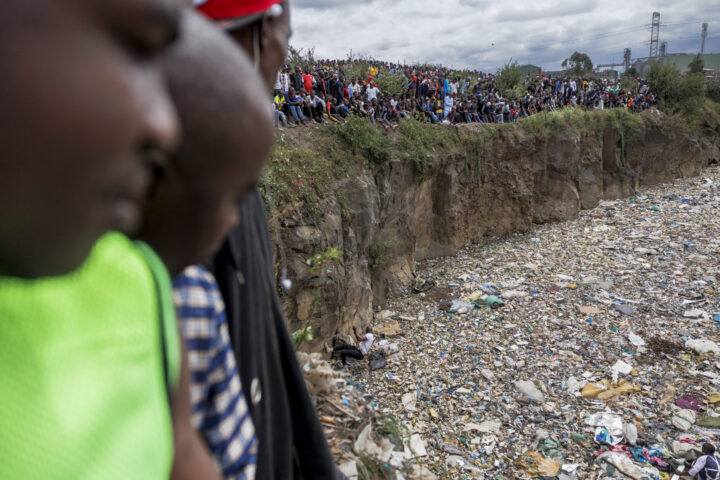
(235, 13)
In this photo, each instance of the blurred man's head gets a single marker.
(260, 27)
(85, 115)
(227, 136)
(708, 448)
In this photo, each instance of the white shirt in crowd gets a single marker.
(372, 93)
(367, 343)
(315, 101)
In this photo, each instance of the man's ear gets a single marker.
(266, 29)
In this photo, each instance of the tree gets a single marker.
(392, 83)
(295, 58)
(631, 72)
(579, 64)
(674, 92)
(509, 77)
(696, 65)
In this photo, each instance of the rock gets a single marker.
(304, 238)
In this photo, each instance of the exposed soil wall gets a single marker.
(384, 219)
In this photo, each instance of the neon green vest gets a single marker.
(82, 385)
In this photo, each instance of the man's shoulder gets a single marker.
(196, 275)
(196, 293)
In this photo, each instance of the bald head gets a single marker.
(227, 134)
(220, 99)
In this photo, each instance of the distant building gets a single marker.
(681, 61)
(611, 74)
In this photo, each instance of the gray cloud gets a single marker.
(485, 34)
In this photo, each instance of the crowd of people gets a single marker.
(436, 95)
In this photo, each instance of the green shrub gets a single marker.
(382, 252)
(392, 83)
(691, 94)
(630, 72)
(628, 84)
(696, 65)
(418, 139)
(676, 94)
(358, 69)
(509, 77)
(364, 139)
(296, 58)
(713, 92)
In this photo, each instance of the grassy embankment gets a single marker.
(304, 166)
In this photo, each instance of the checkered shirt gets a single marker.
(219, 409)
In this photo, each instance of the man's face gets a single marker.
(83, 106)
(277, 33)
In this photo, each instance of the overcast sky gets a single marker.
(485, 34)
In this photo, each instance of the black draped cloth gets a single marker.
(291, 441)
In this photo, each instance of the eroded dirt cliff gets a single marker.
(374, 213)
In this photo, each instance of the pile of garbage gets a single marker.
(363, 444)
(581, 350)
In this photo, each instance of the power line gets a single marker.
(692, 22)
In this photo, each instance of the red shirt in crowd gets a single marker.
(307, 82)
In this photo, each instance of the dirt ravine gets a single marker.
(388, 220)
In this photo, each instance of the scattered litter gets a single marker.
(581, 350)
(528, 389)
(703, 345)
